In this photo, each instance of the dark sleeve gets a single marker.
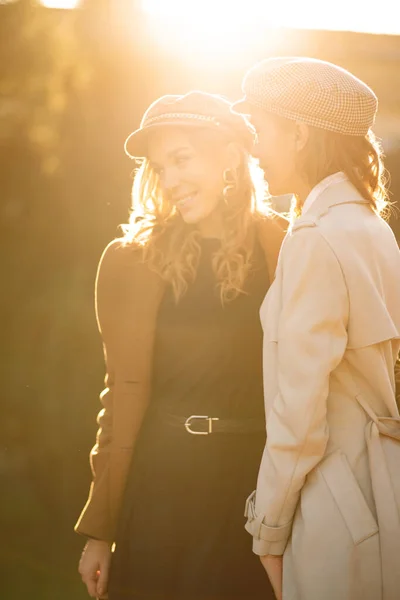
(110, 292)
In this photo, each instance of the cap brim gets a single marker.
(243, 107)
(136, 144)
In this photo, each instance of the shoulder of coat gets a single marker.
(307, 235)
(124, 274)
(121, 264)
(121, 252)
(304, 222)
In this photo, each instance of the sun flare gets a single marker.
(66, 4)
(205, 15)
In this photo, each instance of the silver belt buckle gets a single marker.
(197, 417)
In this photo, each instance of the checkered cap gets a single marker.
(194, 110)
(312, 91)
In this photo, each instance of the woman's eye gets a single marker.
(181, 159)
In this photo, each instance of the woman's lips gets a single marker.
(186, 203)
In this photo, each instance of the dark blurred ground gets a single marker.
(73, 84)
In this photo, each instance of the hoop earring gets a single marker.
(230, 179)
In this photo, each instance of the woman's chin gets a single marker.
(279, 186)
(190, 217)
(275, 189)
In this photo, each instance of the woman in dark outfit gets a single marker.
(178, 308)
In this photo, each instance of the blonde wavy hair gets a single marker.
(172, 248)
(360, 158)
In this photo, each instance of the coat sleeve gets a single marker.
(311, 341)
(397, 381)
(110, 288)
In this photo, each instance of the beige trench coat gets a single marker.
(331, 323)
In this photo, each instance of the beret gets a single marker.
(312, 91)
(194, 109)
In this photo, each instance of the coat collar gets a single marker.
(321, 187)
(343, 192)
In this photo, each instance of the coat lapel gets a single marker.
(341, 193)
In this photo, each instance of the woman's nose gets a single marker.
(170, 178)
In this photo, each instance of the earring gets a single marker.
(230, 179)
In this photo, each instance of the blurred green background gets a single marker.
(73, 84)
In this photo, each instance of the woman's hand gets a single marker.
(274, 567)
(94, 567)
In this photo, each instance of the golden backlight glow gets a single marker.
(66, 4)
(207, 16)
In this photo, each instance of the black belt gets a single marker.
(204, 425)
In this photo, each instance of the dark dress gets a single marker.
(181, 534)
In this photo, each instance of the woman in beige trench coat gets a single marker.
(331, 325)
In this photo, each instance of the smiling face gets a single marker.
(190, 170)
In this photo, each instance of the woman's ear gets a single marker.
(302, 133)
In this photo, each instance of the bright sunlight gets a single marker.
(66, 4)
(207, 15)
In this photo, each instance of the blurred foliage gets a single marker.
(51, 356)
(47, 67)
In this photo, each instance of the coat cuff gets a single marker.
(266, 539)
(96, 520)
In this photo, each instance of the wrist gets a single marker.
(98, 543)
